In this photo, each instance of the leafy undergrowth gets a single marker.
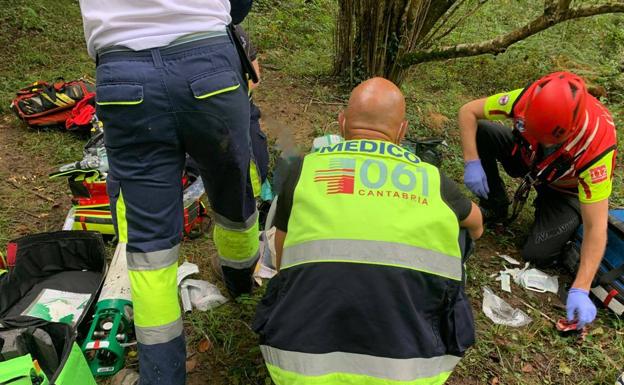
(43, 40)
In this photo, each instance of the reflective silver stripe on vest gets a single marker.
(393, 369)
(153, 335)
(153, 260)
(373, 252)
(240, 264)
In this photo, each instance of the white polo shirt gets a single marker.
(143, 24)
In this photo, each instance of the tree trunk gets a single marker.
(372, 36)
(386, 37)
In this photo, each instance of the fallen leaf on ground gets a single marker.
(528, 368)
(204, 345)
(494, 381)
(597, 331)
(501, 342)
(564, 369)
(191, 364)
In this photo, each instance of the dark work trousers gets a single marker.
(258, 142)
(156, 105)
(557, 215)
(260, 149)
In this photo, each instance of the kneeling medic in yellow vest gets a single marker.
(371, 242)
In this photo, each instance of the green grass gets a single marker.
(505, 352)
(44, 40)
(40, 40)
(294, 36)
(235, 352)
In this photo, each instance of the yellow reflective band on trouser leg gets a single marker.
(122, 223)
(153, 280)
(237, 247)
(283, 377)
(254, 175)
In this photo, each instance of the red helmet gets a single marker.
(555, 107)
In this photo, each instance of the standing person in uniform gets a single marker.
(368, 238)
(258, 138)
(563, 142)
(169, 81)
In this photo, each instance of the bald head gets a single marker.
(376, 110)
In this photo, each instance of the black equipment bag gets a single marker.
(49, 290)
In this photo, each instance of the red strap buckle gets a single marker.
(11, 254)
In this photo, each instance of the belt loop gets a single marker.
(158, 63)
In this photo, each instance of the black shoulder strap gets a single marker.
(245, 62)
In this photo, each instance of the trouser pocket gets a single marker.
(458, 332)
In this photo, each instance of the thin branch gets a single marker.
(17, 186)
(461, 20)
(501, 43)
(445, 18)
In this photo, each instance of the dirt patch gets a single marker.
(30, 202)
(291, 115)
(436, 122)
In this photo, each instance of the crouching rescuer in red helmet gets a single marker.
(563, 143)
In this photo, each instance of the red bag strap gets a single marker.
(11, 253)
(35, 87)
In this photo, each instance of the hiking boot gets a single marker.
(240, 281)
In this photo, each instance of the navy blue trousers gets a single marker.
(156, 105)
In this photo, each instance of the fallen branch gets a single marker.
(501, 43)
(537, 310)
(31, 214)
(15, 185)
(317, 101)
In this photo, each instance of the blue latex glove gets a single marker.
(580, 307)
(475, 179)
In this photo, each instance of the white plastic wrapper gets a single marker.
(325, 141)
(538, 281)
(533, 279)
(193, 192)
(202, 295)
(265, 268)
(500, 312)
(186, 269)
(509, 259)
(505, 282)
